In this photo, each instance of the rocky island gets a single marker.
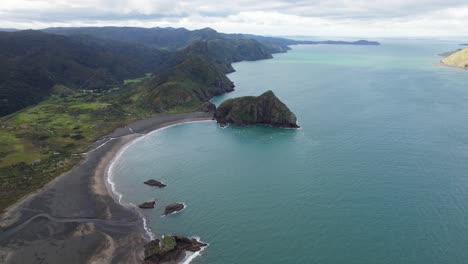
(173, 208)
(147, 205)
(265, 109)
(170, 249)
(155, 183)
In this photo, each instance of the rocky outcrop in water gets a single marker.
(265, 109)
(170, 249)
(147, 205)
(173, 208)
(155, 183)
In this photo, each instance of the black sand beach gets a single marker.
(75, 219)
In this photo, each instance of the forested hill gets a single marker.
(177, 38)
(163, 38)
(32, 62)
(99, 58)
(190, 77)
(221, 51)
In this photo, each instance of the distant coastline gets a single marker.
(456, 59)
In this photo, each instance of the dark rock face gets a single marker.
(189, 244)
(173, 208)
(147, 205)
(265, 109)
(170, 249)
(155, 183)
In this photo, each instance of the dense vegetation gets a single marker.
(265, 109)
(38, 143)
(177, 38)
(165, 38)
(32, 62)
(98, 58)
(192, 76)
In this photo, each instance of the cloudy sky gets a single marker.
(376, 18)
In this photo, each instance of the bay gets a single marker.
(376, 174)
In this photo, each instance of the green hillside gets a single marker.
(194, 75)
(38, 143)
(457, 59)
(32, 62)
(166, 38)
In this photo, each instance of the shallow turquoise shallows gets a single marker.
(378, 173)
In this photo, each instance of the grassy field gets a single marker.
(458, 59)
(138, 80)
(38, 143)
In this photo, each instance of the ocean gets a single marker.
(377, 173)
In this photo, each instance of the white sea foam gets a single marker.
(148, 231)
(110, 179)
(192, 255)
(176, 212)
(146, 227)
(299, 124)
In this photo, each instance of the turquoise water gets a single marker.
(378, 173)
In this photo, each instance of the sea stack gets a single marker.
(173, 208)
(265, 109)
(147, 205)
(155, 183)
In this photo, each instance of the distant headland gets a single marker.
(457, 59)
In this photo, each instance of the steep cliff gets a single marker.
(265, 109)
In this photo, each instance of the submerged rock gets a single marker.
(173, 208)
(155, 183)
(265, 109)
(147, 205)
(170, 249)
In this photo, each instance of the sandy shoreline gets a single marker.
(75, 218)
(449, 66)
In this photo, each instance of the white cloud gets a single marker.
(271, 17)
